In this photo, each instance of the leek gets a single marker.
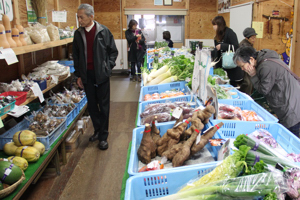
(160, 71)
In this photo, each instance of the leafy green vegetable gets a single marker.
(271, 196)
(259, 167)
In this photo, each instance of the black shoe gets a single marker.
(94, 137)
(103, 145)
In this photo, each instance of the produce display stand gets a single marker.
(30, 99)
(35, 170)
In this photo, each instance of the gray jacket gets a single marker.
(279, 87)
(104, 50)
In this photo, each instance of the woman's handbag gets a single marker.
(227, 59)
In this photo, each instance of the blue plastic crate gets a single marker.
(240, 95)
(162, 183)
(133, 166)
(231, 129)
(70, 116)
(42, 84)
(7, 108)
(249, 105)
(23, 125)
(142, 105)
(81, 103)
(68, 63)
(162, 88)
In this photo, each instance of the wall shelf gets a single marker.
(40, 46)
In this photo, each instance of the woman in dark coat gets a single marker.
(136, 50)
(225, 36)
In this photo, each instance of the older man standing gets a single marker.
(94, 54)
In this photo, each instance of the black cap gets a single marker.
(248, 32)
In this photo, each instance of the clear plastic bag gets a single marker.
(245, 187)
(53, 32)
(161, 117)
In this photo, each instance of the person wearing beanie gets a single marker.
(250, 37)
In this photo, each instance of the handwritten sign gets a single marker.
(6, 8)
(9, 56)
(59, 16)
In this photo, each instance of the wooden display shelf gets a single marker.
(30, 99)
(41, 46)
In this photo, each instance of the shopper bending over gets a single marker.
(94, 54)
(136, 51)
(225, 36)
(167, 37)
(250, 37)
(271, 77)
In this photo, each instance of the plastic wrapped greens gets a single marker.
(245, 187)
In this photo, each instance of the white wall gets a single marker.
(121, 62)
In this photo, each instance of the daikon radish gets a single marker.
(21, 34)
(160, 71)
(160, 78)
(6, 23)
(15, 36)
(3, 40)
(169, 80)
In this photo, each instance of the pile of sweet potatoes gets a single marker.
(179, 143)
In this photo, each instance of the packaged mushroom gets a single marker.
(58, 110)
(43, 125)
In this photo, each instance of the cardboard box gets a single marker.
(72, 141)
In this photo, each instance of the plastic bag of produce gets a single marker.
(53, 32)
(39, 34)
(27, 36)
(245, 187)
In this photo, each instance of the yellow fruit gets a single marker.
(10, 148)
(31, 154)
(24, 138)
(40, 147)
(19, 161)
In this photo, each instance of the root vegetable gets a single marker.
(170, 153)
(147, 149)
(204, 138)
(155, 133)
(171, 137)
(185, 151)
(205, 114)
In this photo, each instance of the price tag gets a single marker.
(177, 112)
(199, 108)
(198, 139)
(208, 129)
(9, 56)
(7, 171)
(175, 126)
(5, 159)
(37, 92)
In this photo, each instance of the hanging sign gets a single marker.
(6, 8)
(59, 16)
(30, 12)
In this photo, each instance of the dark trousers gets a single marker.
(98, 97)
(138, 65)
(295, 129)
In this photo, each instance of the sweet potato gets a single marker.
(147, 149)
(204, 138)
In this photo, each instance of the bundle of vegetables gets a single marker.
(177, 144)
(245, 187)
(176, 69)
(220, 72)
(160, 44)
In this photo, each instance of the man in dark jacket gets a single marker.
(275, 81)
(94, 54)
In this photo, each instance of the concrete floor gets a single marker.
(91, 173)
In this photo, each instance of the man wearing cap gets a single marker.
(250, 37)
